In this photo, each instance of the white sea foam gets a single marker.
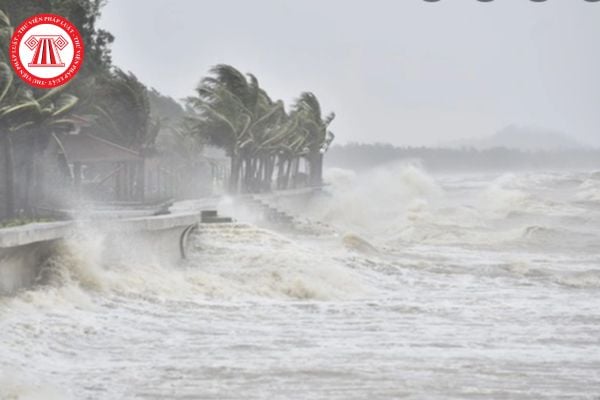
(15, 386)
(452, 283)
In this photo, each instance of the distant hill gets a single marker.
(522, 138)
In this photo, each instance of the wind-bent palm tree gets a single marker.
(220, 114)
(232, 112)
(121, 107)
(261, 149)
(13, 114)
(318, 138)
(227, 112)
(33, 118)
(49, 117)
(7, 104)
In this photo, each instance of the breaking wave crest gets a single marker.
(233, 262)
(380, 201)
(589, 279)
(584, 279)
(245, 259)
(589, 190)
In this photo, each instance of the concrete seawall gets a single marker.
(23, 249)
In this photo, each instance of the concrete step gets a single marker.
(212, 217)
(208, 213)
(269, 212)
(216, 220)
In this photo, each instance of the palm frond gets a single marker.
(6, 80)
(4, 20)
(64, 103)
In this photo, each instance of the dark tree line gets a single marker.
(364, 156)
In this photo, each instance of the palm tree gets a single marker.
(227, 112)
(33, 118)
(220, 116)
(48, 116)
(290, 147)
(15, 108)
(261, 145)
(232, 112)
(13, 114)
(318, 138)
(120, 108)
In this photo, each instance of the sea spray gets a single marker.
(377, 201)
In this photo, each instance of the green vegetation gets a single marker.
(266, 143)
(28, 116)
(11, 223)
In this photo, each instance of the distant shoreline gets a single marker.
(365, 156)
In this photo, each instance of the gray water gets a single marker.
(398, 284)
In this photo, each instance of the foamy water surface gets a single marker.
(397, 284)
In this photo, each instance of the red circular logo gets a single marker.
(46, 51)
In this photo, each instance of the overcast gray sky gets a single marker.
(399, 71)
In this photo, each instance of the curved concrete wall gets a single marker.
(23, 249)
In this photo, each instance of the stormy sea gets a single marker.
(392, 284)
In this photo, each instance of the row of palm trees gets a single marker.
(265, 142)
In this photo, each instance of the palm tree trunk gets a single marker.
(28, 186)
(244, 176)
(248, 175)
(280, 172)
(316, 168)
(259, 178)
(141, 179)
(234, 174)
(31, 149)
(9, 175)
(288, 171)
(269, 167)
(296, 171)
(254, 174)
